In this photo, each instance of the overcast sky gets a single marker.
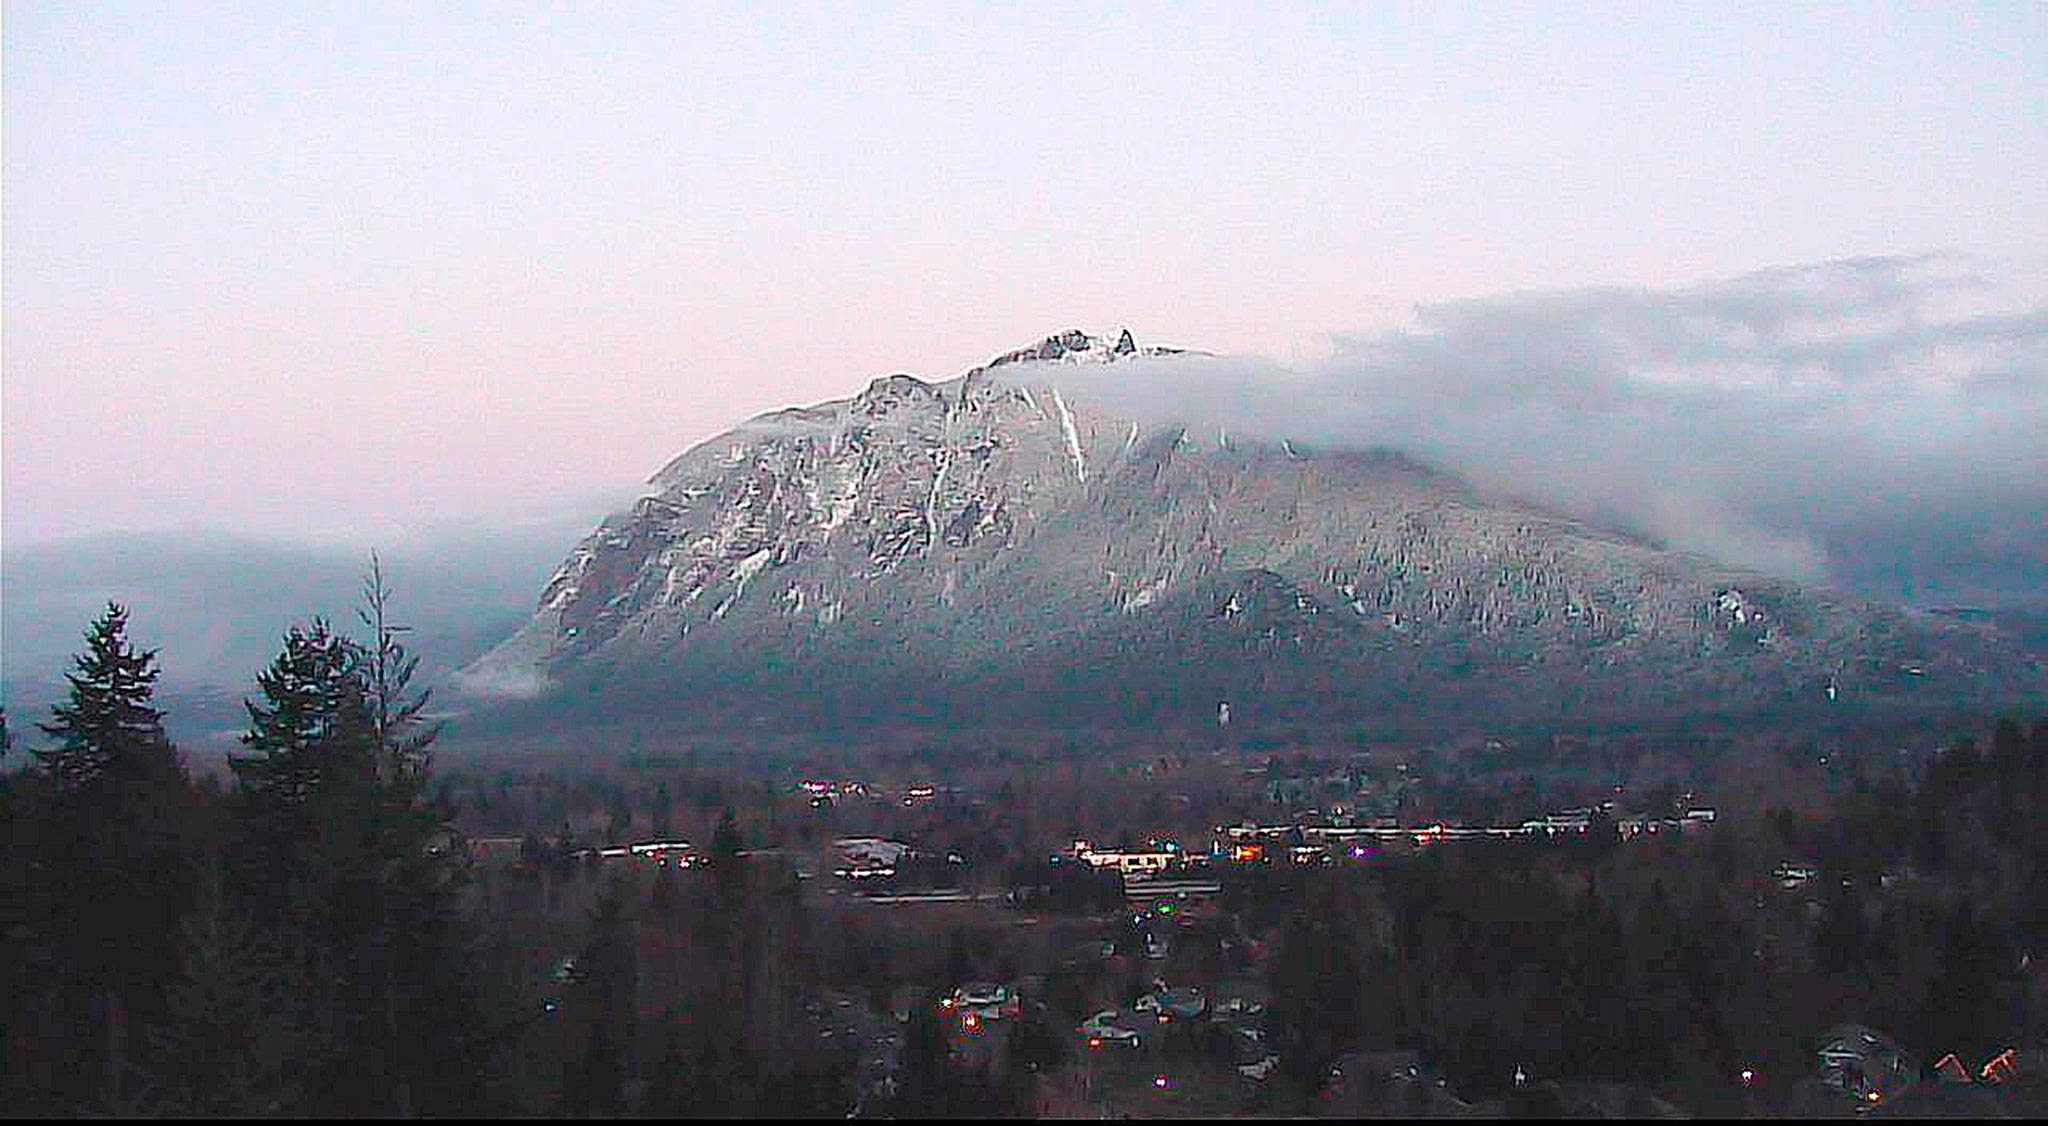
(292, 269)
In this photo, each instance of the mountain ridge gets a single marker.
(999, 533)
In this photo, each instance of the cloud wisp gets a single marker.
(1824, 422)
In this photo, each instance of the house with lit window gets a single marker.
(1130, 862)
(858, 858)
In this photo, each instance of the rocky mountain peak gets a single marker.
(984, 537)
(1076, 346)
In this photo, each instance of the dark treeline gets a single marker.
(1677, 962)
(294, 944)
(316, 938)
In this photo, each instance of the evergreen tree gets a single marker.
(1657, 1004)
(302, 851)
(725, 841)
(354, 855)
(607, 993)
(2008, 750)
(107, 733)
(728, 867)
(621, 814)
(1598, 1006)
(928, 1086)
(1962, 1016)
(229, 1042)
(310, 728)
(431, 1041)
(403, 735)
(1602, 837)
(110, 875)
(1839, 941)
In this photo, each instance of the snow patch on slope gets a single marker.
(742, 573)
(747, 568)
(1073, 438)
(1145, 596)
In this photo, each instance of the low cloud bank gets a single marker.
(217, 603)
(1880, 424)
(499, 683)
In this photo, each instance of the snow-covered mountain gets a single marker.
(997, 542)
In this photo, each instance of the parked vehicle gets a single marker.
(981, 1000)
(1258, 1070)
(1110, 1026)
(1182, 1003)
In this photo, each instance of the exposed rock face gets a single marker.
(993, 542)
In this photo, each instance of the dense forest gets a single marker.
(294, 944)
(316, 935)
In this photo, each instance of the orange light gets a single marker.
(971, 1021)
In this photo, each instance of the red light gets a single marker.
(1159, 1081)
(971, 1021)
(1095, 1041)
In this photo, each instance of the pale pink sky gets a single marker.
(298, 268)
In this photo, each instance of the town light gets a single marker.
(972, 1021)
(1159, 1081)
(1748, 1076)
(1095, 1041)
